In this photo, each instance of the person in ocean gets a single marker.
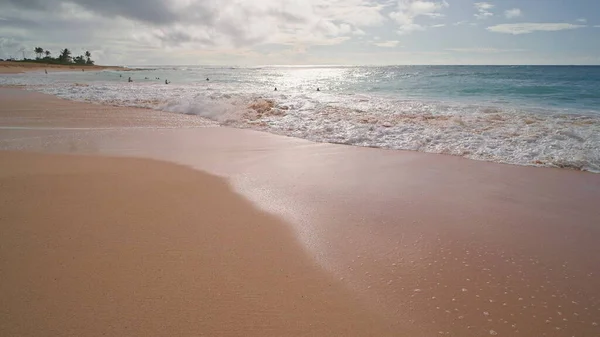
(129, 79)
(167, 82)
(275, 89)
(207, 79)
(46, 71)
(318, 89)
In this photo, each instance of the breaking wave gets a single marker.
(491, 132)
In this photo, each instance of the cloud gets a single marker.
(526, 28)
(409, 28)
(204, 23)
(483, 50)
(597, 26)
(408, 10)
(387, 44)
(439, 26)
(460, 23)
(483, 10)
(582, 20)
(359, 32)
(360, 13)
(8, 44)
(513, 13)
(152, 11)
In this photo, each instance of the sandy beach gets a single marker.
(129, 247)
(8, 67)
(260, 234)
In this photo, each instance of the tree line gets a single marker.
(64, 57)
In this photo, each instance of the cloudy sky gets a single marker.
(258, 32)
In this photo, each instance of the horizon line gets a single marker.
(356, 65)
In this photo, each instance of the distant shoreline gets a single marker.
(12, 67)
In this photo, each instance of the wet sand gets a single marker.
(21, 108)
(97, 246)
(438, 245)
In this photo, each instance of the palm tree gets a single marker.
(88, 55)
(47, 52)
(79, 59)
(39, 51)
(65, 56)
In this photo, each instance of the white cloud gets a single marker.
(459, 23)
(483, 50)
(483, 6)
(439, 26)
(483, 10)
(597, 26)
(408, 10)
(387, 44)
(513, 13)
(409, 28)
(195, 24)
(526, 28)
(582, 20)
(361, 13)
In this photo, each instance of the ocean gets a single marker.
(524, 115)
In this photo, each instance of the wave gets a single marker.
(497, 133)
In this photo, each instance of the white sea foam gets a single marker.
(483, 132)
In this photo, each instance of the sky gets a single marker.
(306, 32)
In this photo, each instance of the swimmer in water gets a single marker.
(129, 80)
(275, 89)
(318, 89)
(207, 79)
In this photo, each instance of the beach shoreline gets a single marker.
(525, 129)
(11, 67)
(32, 109)
(428, 243)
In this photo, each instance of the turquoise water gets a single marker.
(527, 115)
(572, 88)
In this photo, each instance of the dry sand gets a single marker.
(8, 67)
(437, 245)
(129, 247)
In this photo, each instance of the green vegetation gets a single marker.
(65, 57)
